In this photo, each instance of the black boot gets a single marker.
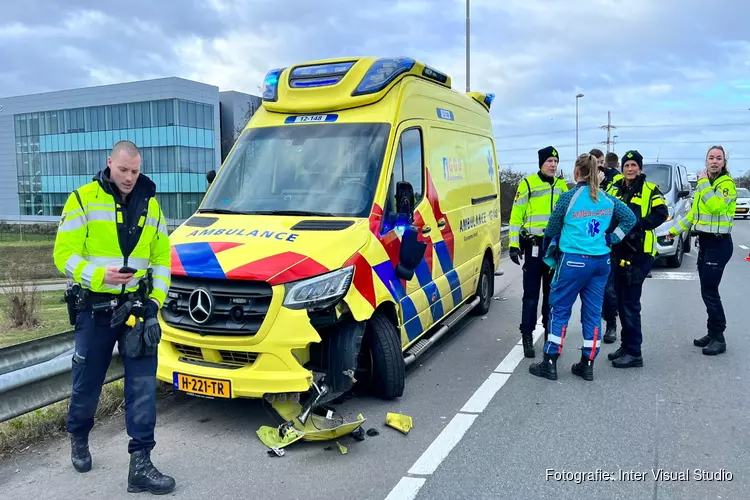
(528, 345)
(628, 361)
(144, 476)
(716, 345)
(703, 341)
(79, 453)
(620, 352)
(584, 368)
(547, 368)
(611, 334)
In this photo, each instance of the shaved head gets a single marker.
(125, 147)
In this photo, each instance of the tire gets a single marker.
(675, 261)
(485, 289)
(388, 371)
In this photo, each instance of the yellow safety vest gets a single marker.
(535, 201)
(713, 208)
(87, 242)
(647, 200)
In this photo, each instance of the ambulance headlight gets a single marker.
(318, 292)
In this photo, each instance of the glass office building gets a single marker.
(57, 151)
(61, 139)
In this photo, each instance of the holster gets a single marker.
(75, 299)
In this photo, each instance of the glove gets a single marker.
(120, 315)
(151, 332)
(151, 309)
(608, 239)
(515, 255)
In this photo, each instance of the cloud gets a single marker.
(672, 73)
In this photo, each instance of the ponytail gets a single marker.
(587, 169)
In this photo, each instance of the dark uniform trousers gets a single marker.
(713, 255)
(536, 274)
(94, 344)
(610, 306)
(629, 292)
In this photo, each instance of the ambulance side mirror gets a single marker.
(210, 176)
(411, 253)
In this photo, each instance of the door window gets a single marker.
(408, 166)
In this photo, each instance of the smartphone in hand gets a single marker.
(128, 270)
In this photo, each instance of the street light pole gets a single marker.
(468, 45)
(577, 97)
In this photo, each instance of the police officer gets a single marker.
(535, 199)
(112, 237)
(578, 230)
(609, 308)
(712, 217)
(634, 256)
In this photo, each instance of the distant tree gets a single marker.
(509, 181)
(228, 142)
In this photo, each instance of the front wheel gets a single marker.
(382, 349)
(485, 289)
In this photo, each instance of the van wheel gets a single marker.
(675, 260)
(382, 348)
(485, 289)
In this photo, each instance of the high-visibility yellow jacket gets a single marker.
(534, 203)
(95, 233)
(648, 205)
(713, 207)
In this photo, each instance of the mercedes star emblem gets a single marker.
(200, 305)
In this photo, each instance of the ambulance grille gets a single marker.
(238, 357)
(189, 351)
(237, 307)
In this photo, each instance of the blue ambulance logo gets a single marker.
(593, 227)
(490, 170)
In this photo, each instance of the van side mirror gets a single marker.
(411, 253)
(405, 199)
(210, 176)
(683, 194)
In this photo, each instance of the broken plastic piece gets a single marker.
(276, 451)
(317, 427)
(342, 449)
(274, 437)
(399, 422)
(359, 434)
(373, 432)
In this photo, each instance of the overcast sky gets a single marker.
(674, 73)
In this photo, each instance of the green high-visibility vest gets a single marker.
(87, 242)
(713, 208)
(534, 203)
(646, 200)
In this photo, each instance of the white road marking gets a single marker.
(408, 487)
(509, 363)
(744, 247)
(482, 397)
(434, 455)
(671, 275)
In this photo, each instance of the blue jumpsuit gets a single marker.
(582, 262)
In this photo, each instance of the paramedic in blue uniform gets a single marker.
(578, 245)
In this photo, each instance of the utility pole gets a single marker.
(608, 127)
(468, 47)
(578, 96)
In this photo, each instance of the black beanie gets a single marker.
(633, 155)
(545, 153)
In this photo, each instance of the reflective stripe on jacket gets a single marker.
(535, 200)
(90, 239)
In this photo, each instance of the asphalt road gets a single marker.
(477, 434)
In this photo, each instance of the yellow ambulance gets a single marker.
(355, 220)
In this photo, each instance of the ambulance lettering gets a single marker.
(281, 236)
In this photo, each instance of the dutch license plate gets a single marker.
(207, 387)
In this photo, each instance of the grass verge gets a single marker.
(21, 432)
(53, 318)
(29, 261)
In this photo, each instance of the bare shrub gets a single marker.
(20, 303)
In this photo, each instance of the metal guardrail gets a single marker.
(37, 373)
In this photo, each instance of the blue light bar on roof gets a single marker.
(488, 99)
(319, 75)
(382, 73)
(271, 84)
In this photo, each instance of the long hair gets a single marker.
(724, 170)
(586, 165)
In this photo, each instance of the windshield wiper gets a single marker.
(220, 211)
(293, 212)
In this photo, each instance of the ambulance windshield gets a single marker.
(317, 169)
